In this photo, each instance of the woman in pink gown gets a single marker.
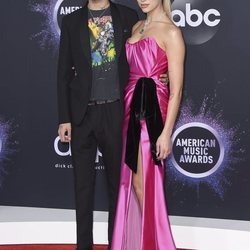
(150, 111)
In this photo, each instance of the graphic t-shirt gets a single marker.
(105, 83)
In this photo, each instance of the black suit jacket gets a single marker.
(74, 90)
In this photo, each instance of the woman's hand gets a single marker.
(163, 146)
(164, 78)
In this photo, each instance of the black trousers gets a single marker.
(101, 127)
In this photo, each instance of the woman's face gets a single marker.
(148, 5)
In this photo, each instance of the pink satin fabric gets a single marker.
(148, 229)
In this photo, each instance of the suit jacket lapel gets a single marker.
(84, 34)
(116, 19)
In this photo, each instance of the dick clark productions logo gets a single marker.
(197, 150)
(64, 149)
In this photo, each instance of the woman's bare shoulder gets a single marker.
(169, 29)
(136, 26)
(169, 33)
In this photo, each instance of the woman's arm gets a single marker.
(175, 52)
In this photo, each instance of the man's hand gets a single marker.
(164, 78)
(64, 132)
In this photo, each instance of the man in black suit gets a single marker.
(90, 101)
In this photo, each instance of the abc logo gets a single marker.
(64, 7)
(199, 20)
(198, 15)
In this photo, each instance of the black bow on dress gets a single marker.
(144, 105)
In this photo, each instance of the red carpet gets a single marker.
(47, 247)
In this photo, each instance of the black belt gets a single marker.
(93, 103)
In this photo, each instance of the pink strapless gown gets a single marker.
(148, 229)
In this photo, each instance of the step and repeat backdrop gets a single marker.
(208, 174)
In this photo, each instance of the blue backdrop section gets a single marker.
(208, 173)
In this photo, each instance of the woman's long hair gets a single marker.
(167, 7)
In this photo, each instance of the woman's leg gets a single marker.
(138, 179)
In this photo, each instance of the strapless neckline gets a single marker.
(146, 58)
(146, 39)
